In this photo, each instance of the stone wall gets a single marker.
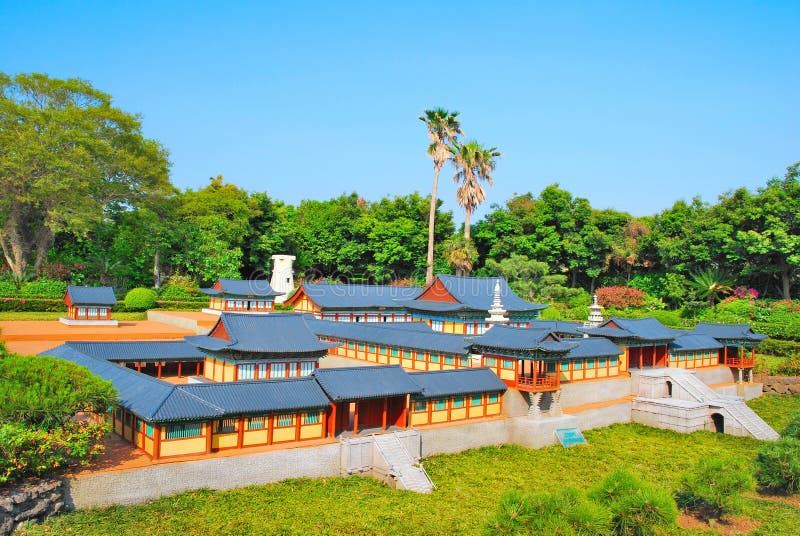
(780, 385)
(30, 501)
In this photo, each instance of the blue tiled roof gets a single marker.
(255, 397)
(522, 339)
(270, 333)
(558, 326)
(365, 382)
(91, 295)
(477, 293)
(454, 382)
(401, 335)
(334, 296)
(645, 329)
(724, 332)
(593, 347)
(239, 287)
(157, 401)
(694, 341)
(138, 350)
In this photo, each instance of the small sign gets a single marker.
(569, 437)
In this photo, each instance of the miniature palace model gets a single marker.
(89, 306)
(429, 357)
(236, 295)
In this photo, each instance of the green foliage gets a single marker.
(711, 284)
(780, 348)
(565, 512)
(140, 299)
(778, 465)
(29, 451)
(637, 508)
(43, 288)
(460, 254)
(8, 288)
(31, 305)
(793, 428)
(179, 287)
(48, 392)
(713, 487)
(532, 280)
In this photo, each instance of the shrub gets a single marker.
(637, 508)
(713, 488)
(790, 368)
(564, 512)
(170, 293)
(27, 451)
(46, 392)
(43, 288)
(180, 285)
(140, 299)
(793, 428)
(620, 297)
(31, 305)
(778, 466)
(779, 348)
(8, 288)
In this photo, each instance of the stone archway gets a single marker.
(718, 422)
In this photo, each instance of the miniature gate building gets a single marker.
(89, 306)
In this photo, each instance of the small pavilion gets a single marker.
(89, 306)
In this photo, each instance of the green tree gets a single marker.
(474, 163)
(443, 128)
(66, 154)
(771, 228)
(711, 284)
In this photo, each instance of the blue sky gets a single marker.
(632, 105)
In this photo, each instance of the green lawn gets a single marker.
(13, 315)
(469, 485)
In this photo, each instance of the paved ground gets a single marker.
(34, 336)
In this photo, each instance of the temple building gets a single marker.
(452, 304)
(236, 295)
(354, 303)
(259, 347)
(89, 306)
(161, 359)
(645, 341)
(738, 342)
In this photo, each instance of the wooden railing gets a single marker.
(741, 362)
(542, 383)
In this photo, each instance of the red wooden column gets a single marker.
(180, 363)
(640, 357)
(535, 366)
(156, 442)
(332, 421)
(240, 435)
(159, 369)
(209, 432)
(297, 417)
(197, 369)
(355, 421)
(724, 355)
(270, 428)
(383, 416)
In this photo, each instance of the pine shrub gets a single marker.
(713, 488)
(637, 508)
(793, 428)
(565, 512)
(140, 299)
(778, 466)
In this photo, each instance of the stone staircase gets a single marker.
(735, 407)
(405, 469)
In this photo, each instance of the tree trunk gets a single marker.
(431, 225)
(12, 243)
(786, 281)
(44, 239)
(466, 223)
(156, 271)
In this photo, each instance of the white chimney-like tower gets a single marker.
(497, 315)
(282, 276)
(595, 313)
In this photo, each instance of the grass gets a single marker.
(469, 486)
(14, 315)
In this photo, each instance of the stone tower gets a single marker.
(282, 276)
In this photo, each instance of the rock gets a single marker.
(794, 389)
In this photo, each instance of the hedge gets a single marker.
(33, 305)
(780, 348)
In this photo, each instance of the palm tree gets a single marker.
(473, 163)
(460, 254)
(443, 127)
(711, 284)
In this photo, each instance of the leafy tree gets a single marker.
(443, 128)
(66, 154)
(474, 163)
(530, 278)
(771, 228)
